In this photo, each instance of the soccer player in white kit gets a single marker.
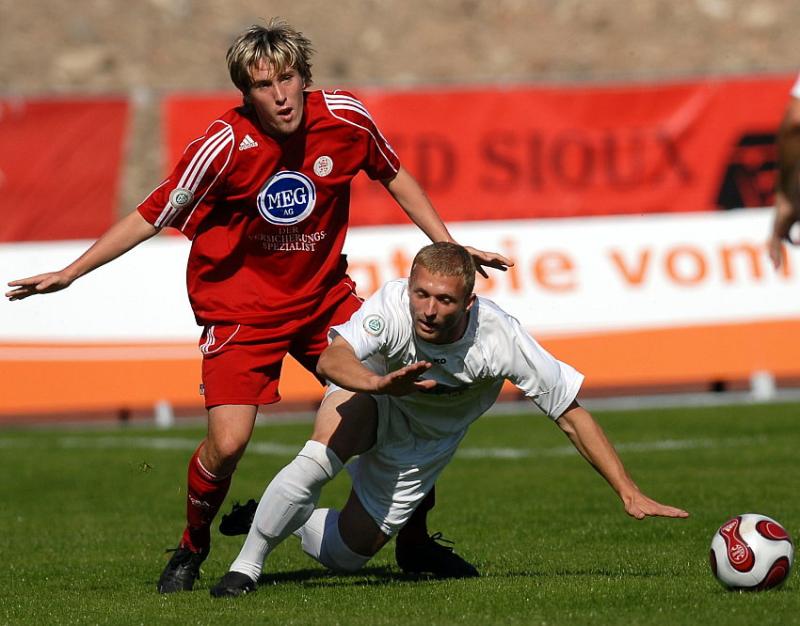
(410, 371)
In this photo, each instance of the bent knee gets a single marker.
(223, 453)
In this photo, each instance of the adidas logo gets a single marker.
(247, 143)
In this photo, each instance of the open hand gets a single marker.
(406, 380)
(640, 506)
(41, 283)
(488, 259)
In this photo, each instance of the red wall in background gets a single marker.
(556, 151)
(59, 167)
(487, 152)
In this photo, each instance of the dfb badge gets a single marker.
(180, 198)
(374, 324)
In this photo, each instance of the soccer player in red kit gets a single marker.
(264, 197)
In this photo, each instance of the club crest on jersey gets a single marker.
(287, 198)
(181, 197)
(374, 324)
(323, 166)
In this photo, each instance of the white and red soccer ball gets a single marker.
(751, 552)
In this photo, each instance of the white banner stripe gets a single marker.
(572, 278)
(69, 354)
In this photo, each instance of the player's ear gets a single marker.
(470, 301)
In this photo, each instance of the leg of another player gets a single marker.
(209, 477)
(342, 542)
(346, 424)
(230, 427)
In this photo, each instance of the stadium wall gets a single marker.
(522, 152)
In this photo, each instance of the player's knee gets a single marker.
(335, 554)
(224, 452)
(294, 492)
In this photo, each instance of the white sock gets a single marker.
(322, 541)
(287, 503)
(312, 532)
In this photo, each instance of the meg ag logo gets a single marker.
(287, 198)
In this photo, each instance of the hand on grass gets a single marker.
(640, 506)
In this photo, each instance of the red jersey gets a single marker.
(267, 217)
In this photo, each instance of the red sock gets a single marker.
(205, 495)
(415, 531)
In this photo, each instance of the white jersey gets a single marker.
(469, 372)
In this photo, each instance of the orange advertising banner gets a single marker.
(59, 167)
(496, 152)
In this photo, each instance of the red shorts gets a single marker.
(242, 364)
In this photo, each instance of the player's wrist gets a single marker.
(377, 384)
(70, 274)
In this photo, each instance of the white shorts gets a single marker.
(394, 476)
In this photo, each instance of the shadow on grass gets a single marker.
(365, 577)
(588, 572)
(376, 576)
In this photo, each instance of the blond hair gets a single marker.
(277, 43)
(447, 259)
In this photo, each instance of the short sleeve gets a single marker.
(549, 383)
(376, 326)
(380, 161)
(175, 200)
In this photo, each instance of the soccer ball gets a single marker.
(751, 552)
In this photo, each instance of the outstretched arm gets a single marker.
(339, 364)
(121, 237)
(412, 199)
(787, 193)
(590, 440)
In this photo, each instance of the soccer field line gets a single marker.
(466, 452)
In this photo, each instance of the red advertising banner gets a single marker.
(59, 167)
(567, 150)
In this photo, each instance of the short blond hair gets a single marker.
(277, 43)
(447, 259)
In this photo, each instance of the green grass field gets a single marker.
(87, 514)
